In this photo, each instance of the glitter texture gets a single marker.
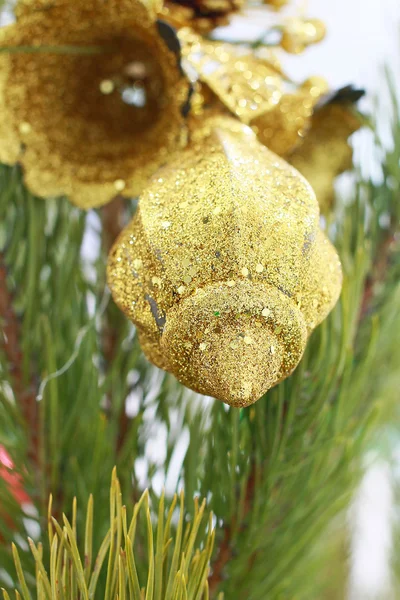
(245, 84)
(298, 122)
(233, 342)
(283, 126)
(89, 125)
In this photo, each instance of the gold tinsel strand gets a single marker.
(89, 124)
(224, 268)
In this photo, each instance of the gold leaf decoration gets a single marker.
(245, 84)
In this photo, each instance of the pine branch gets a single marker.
(113, 220)
(379, 271)
(177, 563)
(225, 549)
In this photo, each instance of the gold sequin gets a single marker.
(107, 86)
(25, 128)
(119, 185)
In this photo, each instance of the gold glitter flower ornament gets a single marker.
(91, 97)
(224, 268)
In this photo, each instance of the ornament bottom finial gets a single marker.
(234, 343)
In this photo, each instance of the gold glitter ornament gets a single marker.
(200, 15)
(95, 107)
(224, 269)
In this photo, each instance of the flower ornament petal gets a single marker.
(245, 84)
(325, 151)
(94, 105)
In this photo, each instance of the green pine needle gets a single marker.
(68, 569)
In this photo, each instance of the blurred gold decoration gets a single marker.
(224, 268)
(283, 126)
(200, 15)
(325, 151)
(298, 33)
(276, 4)
(246, 84)
(89, 124)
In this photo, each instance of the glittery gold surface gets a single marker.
(89, 126)
(246, 84)
(252, 87)
(283, 126)
(325, 151)
(200, 15)
(299, 33)
(224, 268)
